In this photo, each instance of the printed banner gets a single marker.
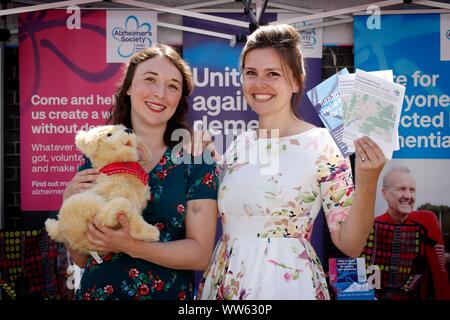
(65, 86)
(414, 56)
(445, 37)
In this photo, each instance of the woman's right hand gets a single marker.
(370, 161)
(82, 181)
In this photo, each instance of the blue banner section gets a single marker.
(410, 46)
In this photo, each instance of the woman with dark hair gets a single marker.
(121, 111)
(289, 170)
(152, 100)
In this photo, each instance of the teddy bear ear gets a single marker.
(86, 142)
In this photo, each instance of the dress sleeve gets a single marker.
(202, 181)
(335, 178)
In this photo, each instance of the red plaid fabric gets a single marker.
(28, 263)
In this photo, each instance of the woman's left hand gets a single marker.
(109, 239)
(370, 160)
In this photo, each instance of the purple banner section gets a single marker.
(313, 68)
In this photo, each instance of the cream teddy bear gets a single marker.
(121, 186)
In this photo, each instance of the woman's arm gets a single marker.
(192, 253)
(351, 237)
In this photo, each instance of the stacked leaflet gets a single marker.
(370, 104)
(326, 100)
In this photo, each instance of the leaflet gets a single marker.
(325, 98)
(347, 270)
(346, 84)
(374, 110)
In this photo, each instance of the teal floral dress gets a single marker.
(125, 278)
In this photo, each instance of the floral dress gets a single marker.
(269, 196)
(122, 277)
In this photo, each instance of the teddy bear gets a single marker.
(122, 186)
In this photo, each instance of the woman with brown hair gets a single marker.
(152, 100)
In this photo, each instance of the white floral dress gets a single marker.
(270, 193)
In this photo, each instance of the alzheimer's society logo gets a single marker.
(308, 39)
(128, 33)
(135, 36)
